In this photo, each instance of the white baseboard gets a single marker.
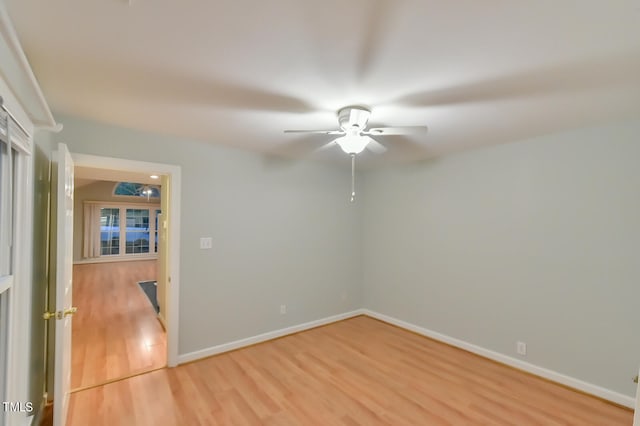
(112, 259)
(226, 347)
(563, 379)
(589, 388)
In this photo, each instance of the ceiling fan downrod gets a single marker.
(353, 178)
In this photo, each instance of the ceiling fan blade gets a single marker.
(376, 21)
(575, 76)
(375, 146)
(317, 132)
(388, 131)
(300, 146)
(326, 146)
(193, 89)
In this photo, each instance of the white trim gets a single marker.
(572, 382)
(123, 203)
(237, 344)
(20, 140)
(172, 299)
(25, 265)
(6, 282)
(173, 173)
(8, 33)
(19, 321)
(13, 105)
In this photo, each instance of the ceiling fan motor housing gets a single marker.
(353, 117)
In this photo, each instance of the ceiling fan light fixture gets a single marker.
(352, 144)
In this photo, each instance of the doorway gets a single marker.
(63, 228)
(116, 332)
(166, 269)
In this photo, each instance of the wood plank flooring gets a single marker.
(355, 372)
(115, 332)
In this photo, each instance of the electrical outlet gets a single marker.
(283, 309)
(521, 348)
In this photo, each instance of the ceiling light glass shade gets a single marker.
(352, 144)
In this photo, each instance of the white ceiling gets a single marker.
(240, 72)
(87, 175)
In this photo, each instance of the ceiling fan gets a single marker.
(354, 137)
(353, 134)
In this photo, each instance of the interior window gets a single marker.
(132, 189)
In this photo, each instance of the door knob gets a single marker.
(635, 379)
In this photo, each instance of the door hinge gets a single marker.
(635, 379)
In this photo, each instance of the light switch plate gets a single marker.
(206, 243)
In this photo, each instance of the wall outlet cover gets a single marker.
(521, 348)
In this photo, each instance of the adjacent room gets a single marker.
(117, 331)
(290, 213)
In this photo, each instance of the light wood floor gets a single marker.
(358, 371)
(115, 332)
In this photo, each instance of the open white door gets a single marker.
(64, 263)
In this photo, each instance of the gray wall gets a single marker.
(534, 241)
(97, 191)
(283, 233)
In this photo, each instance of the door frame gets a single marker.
(172, 290)
(636, 413)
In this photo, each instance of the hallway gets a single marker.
(115, 332)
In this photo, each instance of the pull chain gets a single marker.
(353, 178)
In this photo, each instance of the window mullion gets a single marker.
(123, 231)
